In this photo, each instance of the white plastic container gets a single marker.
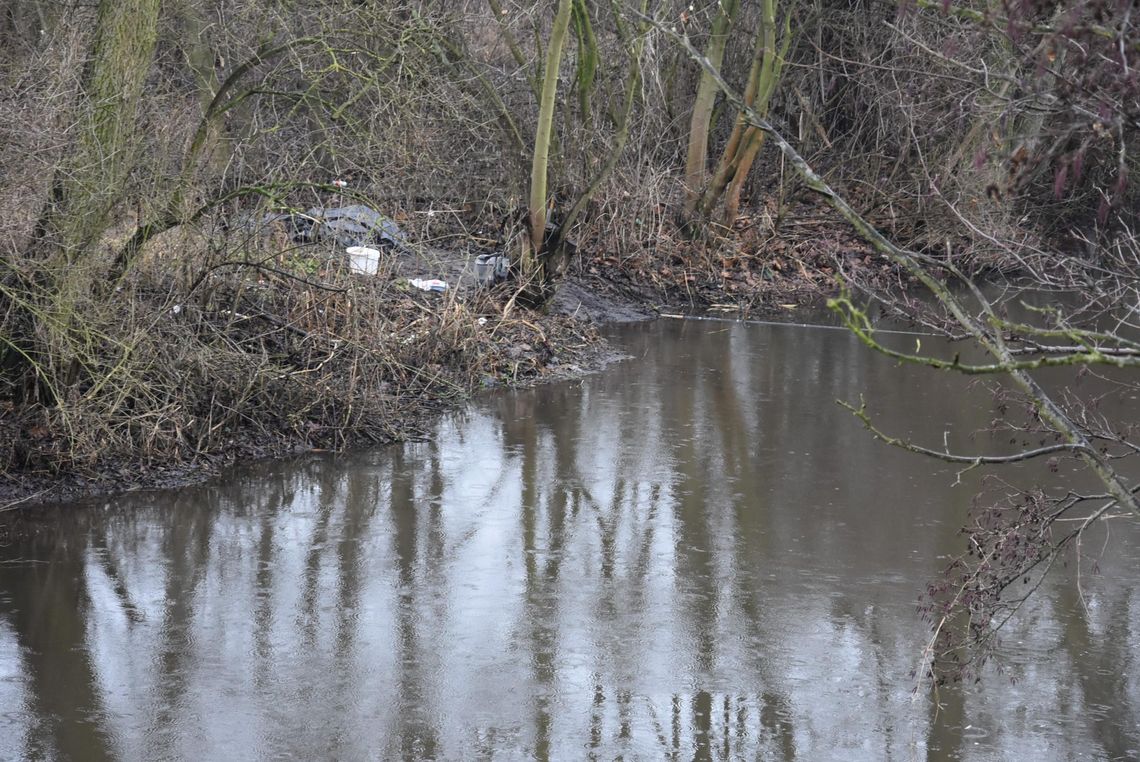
(363, 260)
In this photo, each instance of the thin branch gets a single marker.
(972, 460)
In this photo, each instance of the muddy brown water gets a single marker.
(693, 555)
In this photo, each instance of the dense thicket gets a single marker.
(1015, 109)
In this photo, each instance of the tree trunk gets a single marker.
(746, 141)
(744, 166)
(95, 176)
(542, 136)
(697, 157)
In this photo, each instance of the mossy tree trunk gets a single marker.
(697, 156)
(746, 140)
(200, 57)
(89, 183)
(536, 207)
(93, 179)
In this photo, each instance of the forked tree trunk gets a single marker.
(697, 157)
(746, 140)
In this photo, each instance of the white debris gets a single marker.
(429, 285)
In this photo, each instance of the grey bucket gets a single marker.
(491, 268)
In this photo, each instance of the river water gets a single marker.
(693, 555)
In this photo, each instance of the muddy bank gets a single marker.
(772, 262)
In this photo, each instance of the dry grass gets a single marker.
(283, 352)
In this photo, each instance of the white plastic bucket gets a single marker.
(364, 260)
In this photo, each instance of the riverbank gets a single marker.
(771, 262)
(294, 353)
(430, 352)
(270, 363)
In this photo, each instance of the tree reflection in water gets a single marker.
(693, 555)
